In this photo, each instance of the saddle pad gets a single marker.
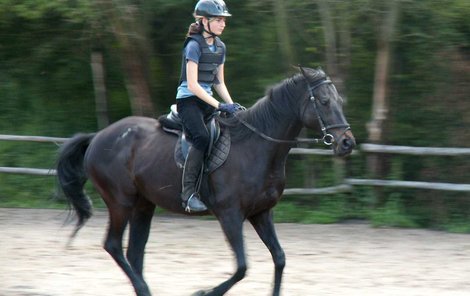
(218, 155)
(219, 152)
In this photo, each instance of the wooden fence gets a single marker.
(345, 186)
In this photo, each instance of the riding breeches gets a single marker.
(192, 112)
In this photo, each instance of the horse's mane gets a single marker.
(280, 103)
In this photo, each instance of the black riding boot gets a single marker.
(192, 169)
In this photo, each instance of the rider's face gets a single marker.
(217, 25)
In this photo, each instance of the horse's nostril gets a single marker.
(347, 144)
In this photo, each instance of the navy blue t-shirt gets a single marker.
(192, 52)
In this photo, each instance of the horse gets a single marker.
(131, 165)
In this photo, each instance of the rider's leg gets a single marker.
(192, 112)
(191, 172)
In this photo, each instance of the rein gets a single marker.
(327, 139)
(266, 137)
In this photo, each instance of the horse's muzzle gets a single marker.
(345, 144)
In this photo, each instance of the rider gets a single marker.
(202, 67)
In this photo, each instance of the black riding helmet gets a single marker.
(211, 8)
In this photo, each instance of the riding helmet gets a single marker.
(211, 8)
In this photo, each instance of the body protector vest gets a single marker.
(209, 60)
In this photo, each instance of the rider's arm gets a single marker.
(195, 88)
(220, 86)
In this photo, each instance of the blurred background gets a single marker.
(69, 66)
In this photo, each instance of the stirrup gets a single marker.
(197, 204)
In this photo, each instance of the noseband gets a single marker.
(328, 139)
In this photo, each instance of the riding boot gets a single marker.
(192, 169)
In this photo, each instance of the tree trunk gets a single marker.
(101, 103)
(334, 54)
(283, 33)
(344, 43)
(375, 126)
(129, 33)
(330, 37)
(379, 100)
(137, 83)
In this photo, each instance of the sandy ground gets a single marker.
(184, 255)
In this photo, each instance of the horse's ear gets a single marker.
(294, 69)
(302, 71)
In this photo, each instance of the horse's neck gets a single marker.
(275, 121)
(284, 126)
(287, 129)
(283, 135)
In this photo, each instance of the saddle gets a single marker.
(219, 145)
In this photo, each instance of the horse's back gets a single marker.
(122, 128)
(119, 136)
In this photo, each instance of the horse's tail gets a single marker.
(72, 177)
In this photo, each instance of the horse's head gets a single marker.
(322, 110)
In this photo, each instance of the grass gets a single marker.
(290, 212)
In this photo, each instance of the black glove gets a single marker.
(230, 108)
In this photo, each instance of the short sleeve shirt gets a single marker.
(192, 52)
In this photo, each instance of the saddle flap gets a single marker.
(214, 160)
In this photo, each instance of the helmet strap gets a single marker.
(213, 35)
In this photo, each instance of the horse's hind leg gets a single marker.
(139, 233)
(264, 226)
(118, 218)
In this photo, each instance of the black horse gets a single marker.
(131, 164)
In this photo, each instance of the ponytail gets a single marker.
(195, 28)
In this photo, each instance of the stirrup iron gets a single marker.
(200, 208)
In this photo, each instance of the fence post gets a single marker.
(339, 168)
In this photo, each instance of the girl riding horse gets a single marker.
(202, 68)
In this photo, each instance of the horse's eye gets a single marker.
(324, 100)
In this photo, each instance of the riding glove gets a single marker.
(230, 108)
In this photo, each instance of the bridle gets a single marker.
(327, 139)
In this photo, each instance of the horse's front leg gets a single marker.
(232, 225)
(264, 226)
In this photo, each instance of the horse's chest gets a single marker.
(272, 194)
(269, 195)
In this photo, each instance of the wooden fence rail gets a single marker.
(409, 184)
(346, 185)
(28, 171)
(33, 139)
(376, 148)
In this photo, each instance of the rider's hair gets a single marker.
(195, 28)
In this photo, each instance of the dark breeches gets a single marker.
(192, 112)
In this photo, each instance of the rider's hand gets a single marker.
(240, 107)
(230, 108)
